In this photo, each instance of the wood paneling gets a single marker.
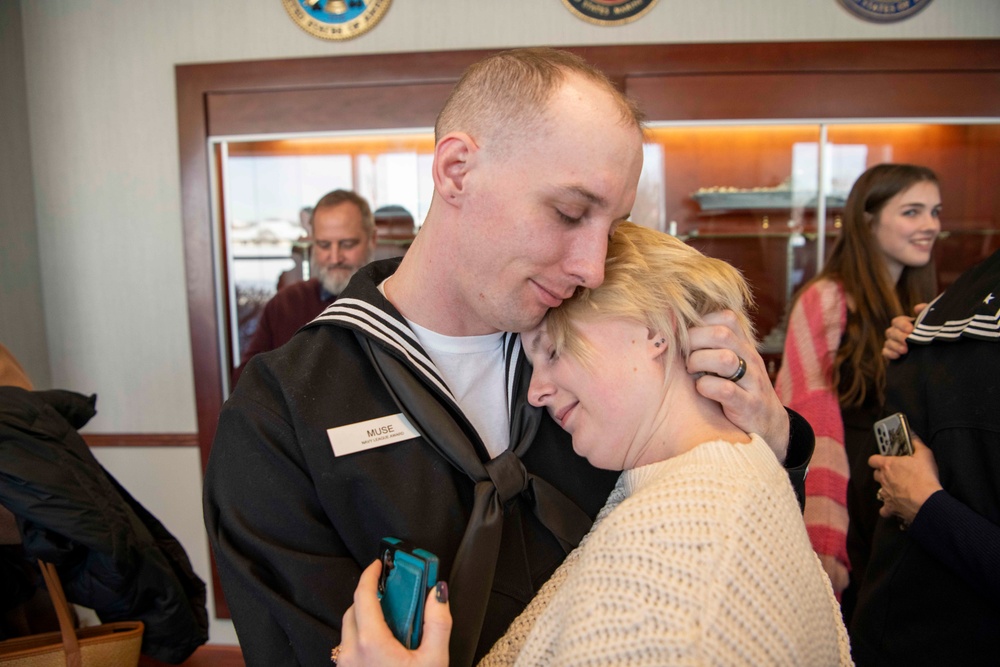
(317, 109)
(141, 439)
(210, 655)
(751, 96)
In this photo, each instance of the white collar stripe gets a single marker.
(376, 327)
(980, 326)
(393, 329)
(345, 305)
(366, 317)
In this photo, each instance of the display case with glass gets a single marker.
(768, 197)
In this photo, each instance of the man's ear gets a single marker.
(453, 157)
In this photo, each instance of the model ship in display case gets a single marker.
(781, 197)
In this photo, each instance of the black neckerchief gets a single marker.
(422, 395)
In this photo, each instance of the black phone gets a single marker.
(893, 436)
(408, 574)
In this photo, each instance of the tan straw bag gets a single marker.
(105, 645)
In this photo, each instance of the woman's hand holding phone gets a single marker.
(366, 639)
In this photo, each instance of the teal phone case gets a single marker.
(408, 573)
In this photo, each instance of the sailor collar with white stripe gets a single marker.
(362, 308)
(970, 308)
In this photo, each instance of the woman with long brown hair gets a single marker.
(833, 372)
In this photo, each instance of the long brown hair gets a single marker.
(857, 263)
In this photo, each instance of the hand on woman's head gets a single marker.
(750, 402)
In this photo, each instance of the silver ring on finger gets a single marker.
(741, 370)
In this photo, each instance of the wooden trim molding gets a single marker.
(840, 95)
(141, 439)
(360, 108)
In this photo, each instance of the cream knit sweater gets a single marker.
(702, 559)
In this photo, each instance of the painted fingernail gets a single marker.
(441, 592)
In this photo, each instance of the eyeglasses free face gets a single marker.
(343, 245)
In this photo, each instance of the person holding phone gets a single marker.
(700, 555)
(931, 592)
(833, 372)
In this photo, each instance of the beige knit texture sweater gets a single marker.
(702, 559)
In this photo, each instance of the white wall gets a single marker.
(103, 138)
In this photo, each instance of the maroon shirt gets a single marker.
(288, 311)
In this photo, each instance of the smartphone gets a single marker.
(408, 574)
(893, 436)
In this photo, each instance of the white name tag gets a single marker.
(370, 434)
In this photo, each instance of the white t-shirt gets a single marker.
(474, 370)
(473, 367)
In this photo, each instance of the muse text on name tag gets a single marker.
(371, 434)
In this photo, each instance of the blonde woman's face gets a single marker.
(607, 405)
(908, 226)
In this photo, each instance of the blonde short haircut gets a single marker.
(506, 94)
(657, 280)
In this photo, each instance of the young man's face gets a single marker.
(536, 221)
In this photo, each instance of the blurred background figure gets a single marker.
(299, 253)
(342, 241)
(396, 231)
(833, 372)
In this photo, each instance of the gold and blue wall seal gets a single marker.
(609, 12)
(884, 11)
(336, 19)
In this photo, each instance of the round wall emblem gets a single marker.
(884, 11)
(336, 19)
(609, 12)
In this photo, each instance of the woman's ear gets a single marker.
(656, 343)
(453, 157)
